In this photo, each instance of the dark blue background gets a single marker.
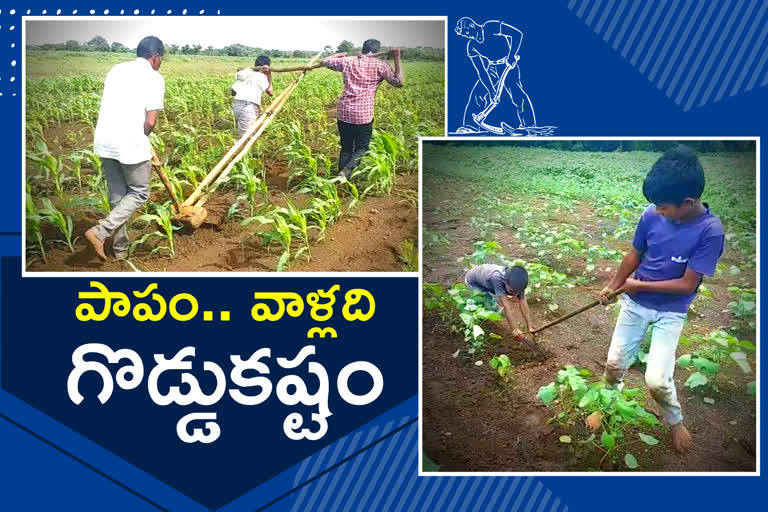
(252, 446)
(576, 82)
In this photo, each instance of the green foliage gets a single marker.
(714, 350)
(55, 217)
(501, 364)
(162, 217)
(196, 129)
(619, 410)
(254, 186)
(464, 310)
(32, 219)
(409, 256)
(378, 168)
(744, 308)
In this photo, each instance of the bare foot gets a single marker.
(594, 420)
(96, 243)
(681, 438)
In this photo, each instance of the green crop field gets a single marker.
(281, 201)
(569, 217)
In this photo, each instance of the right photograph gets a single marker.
(589, 305)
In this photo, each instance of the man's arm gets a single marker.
(513, 35)
(629, 264)
(269, 90)
(150, 118)
(685, 285)
(399, 76)
(482, 74)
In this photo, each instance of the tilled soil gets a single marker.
(367, 240)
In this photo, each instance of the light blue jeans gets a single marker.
(628, 335)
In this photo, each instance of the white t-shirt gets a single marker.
(130, 90)
(250, 85)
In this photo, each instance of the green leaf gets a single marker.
(630, 461)
(589, 398)
(607, 396)
(553, 307)
(649, 440)
(752, 389)
(548, 393)
(589, 439)
(495, 336)
(608, 440)
(684, 361)
(706, 366)
(577, 383)
(494, 363)
(467, 319)
(565, 439)
(282, 264)
(504, 360)
(626, 409)
(695, 380)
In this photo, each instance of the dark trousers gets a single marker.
(355, 139)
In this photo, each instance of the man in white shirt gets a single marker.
(133, 94)
(247, 89)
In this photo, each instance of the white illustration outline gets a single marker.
(493, 80)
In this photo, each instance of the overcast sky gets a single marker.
(282, 33)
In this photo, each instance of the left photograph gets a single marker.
(249, 144)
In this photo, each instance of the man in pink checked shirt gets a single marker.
(362, 76)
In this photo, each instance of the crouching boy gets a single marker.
(507, 287)
(677, 242)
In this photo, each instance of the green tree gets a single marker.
(72, 45)
(345, 47)
(97, 44)
(119, 47)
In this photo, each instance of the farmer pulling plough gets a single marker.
(128, 114)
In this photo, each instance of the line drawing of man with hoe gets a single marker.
(498, 97)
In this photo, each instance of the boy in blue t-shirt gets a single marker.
(677, 242)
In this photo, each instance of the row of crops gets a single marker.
(64, 182)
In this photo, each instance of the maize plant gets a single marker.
(162, 216)
(33, 218)
(253, 186)
(379, 166)
(196, 129)
(55, 217)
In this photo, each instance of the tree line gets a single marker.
(659, 146)
(101, 44)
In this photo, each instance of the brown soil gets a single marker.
(475, 420)
(367, 240)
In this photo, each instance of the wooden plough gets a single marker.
(221, 170)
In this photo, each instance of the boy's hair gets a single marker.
(516, 279)
(675, 177)
(263, 60)
(371, 46)
(149, 47)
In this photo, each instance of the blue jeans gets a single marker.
(628, 335)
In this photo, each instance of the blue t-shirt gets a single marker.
(668, 248)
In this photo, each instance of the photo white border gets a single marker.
(152, 275)
(542, 474)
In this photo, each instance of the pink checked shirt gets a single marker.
(362, 76)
